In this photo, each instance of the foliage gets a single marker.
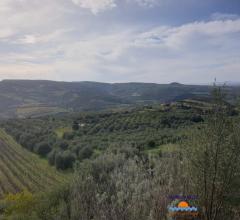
(42, 148)
(143, 127)
(31, 98)
(212, 158)
(64, 160)
(20, 203)
(116, 185)
(75, 126)
(127, 163)
(85, 153)
(21, 169)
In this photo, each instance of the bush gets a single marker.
(151, 144)
(62, 145)
(75, 126)
(27, 141)
(114, 186)
(85, 153)
(64, 160)
(42, 148)
(52, 157)
(197, 118)
(19, 203)
(68, 135)
(54, 204)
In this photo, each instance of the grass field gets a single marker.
(21, 170)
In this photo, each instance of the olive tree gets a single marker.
(212, 156)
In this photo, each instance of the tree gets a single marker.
(75, 126)
(27, 140)
(212, 157)
(85, 153)
(151, 144)
(116, 186)
(63, 145)
(42, 148)
(52, 157)
(64, 160)
(68, 136)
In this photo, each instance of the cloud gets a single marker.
(194, 51)
(30, 71)
(28, 39)
(96, 6)
(43, 38)
(5, 33)
(198, 32)
(147, 3)
(21, 17)
(57, 40)
(224, 16)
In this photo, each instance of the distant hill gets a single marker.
(24, 98)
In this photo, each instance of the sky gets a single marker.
(160, 41)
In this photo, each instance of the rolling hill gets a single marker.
(33, 98)
(22, 170)
(24, 98)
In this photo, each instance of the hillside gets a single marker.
(22, 170)
(87, 134)
(141, 152)
(24, 98)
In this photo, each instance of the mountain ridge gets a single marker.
(32, 98)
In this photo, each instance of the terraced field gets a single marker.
(22, 170)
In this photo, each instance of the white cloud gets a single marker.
(30, 71)
(195, 51)
(21, 17)
(58, 41)
(197, 32)
(56, 35)
(147, 3)
(5, 33)
(28, 39)
(96, 6)
(224, 16)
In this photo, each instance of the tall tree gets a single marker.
(212, 157)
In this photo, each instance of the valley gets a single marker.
(135, 152)
(34, 98)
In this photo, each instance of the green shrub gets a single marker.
(42, 148)
(85, 153)
(68, 135)
(64, 160)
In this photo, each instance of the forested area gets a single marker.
(119, 167)
(65, 139)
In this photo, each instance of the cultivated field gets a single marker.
(22, 170)
(37, 110)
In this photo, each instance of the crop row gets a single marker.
(21, 170)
